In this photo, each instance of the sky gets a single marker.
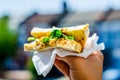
(25, 7)
(20, 9)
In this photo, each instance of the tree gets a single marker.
(8, 40)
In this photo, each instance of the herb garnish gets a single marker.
(56, 34)
(46, 39)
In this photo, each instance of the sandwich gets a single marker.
(67, 38)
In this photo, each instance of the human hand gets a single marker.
(78, 68)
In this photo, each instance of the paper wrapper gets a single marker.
(43, 61)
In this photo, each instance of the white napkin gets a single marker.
(43, 61)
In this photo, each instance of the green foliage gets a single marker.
(8, 41)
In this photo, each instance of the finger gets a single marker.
(70, 58)
(99, 55)
(62, 59)
(72, 61)
(62, 66)
(96, 60)
(92, 57)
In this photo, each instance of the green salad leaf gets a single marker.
(31, 39)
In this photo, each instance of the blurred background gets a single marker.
(17, 18)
